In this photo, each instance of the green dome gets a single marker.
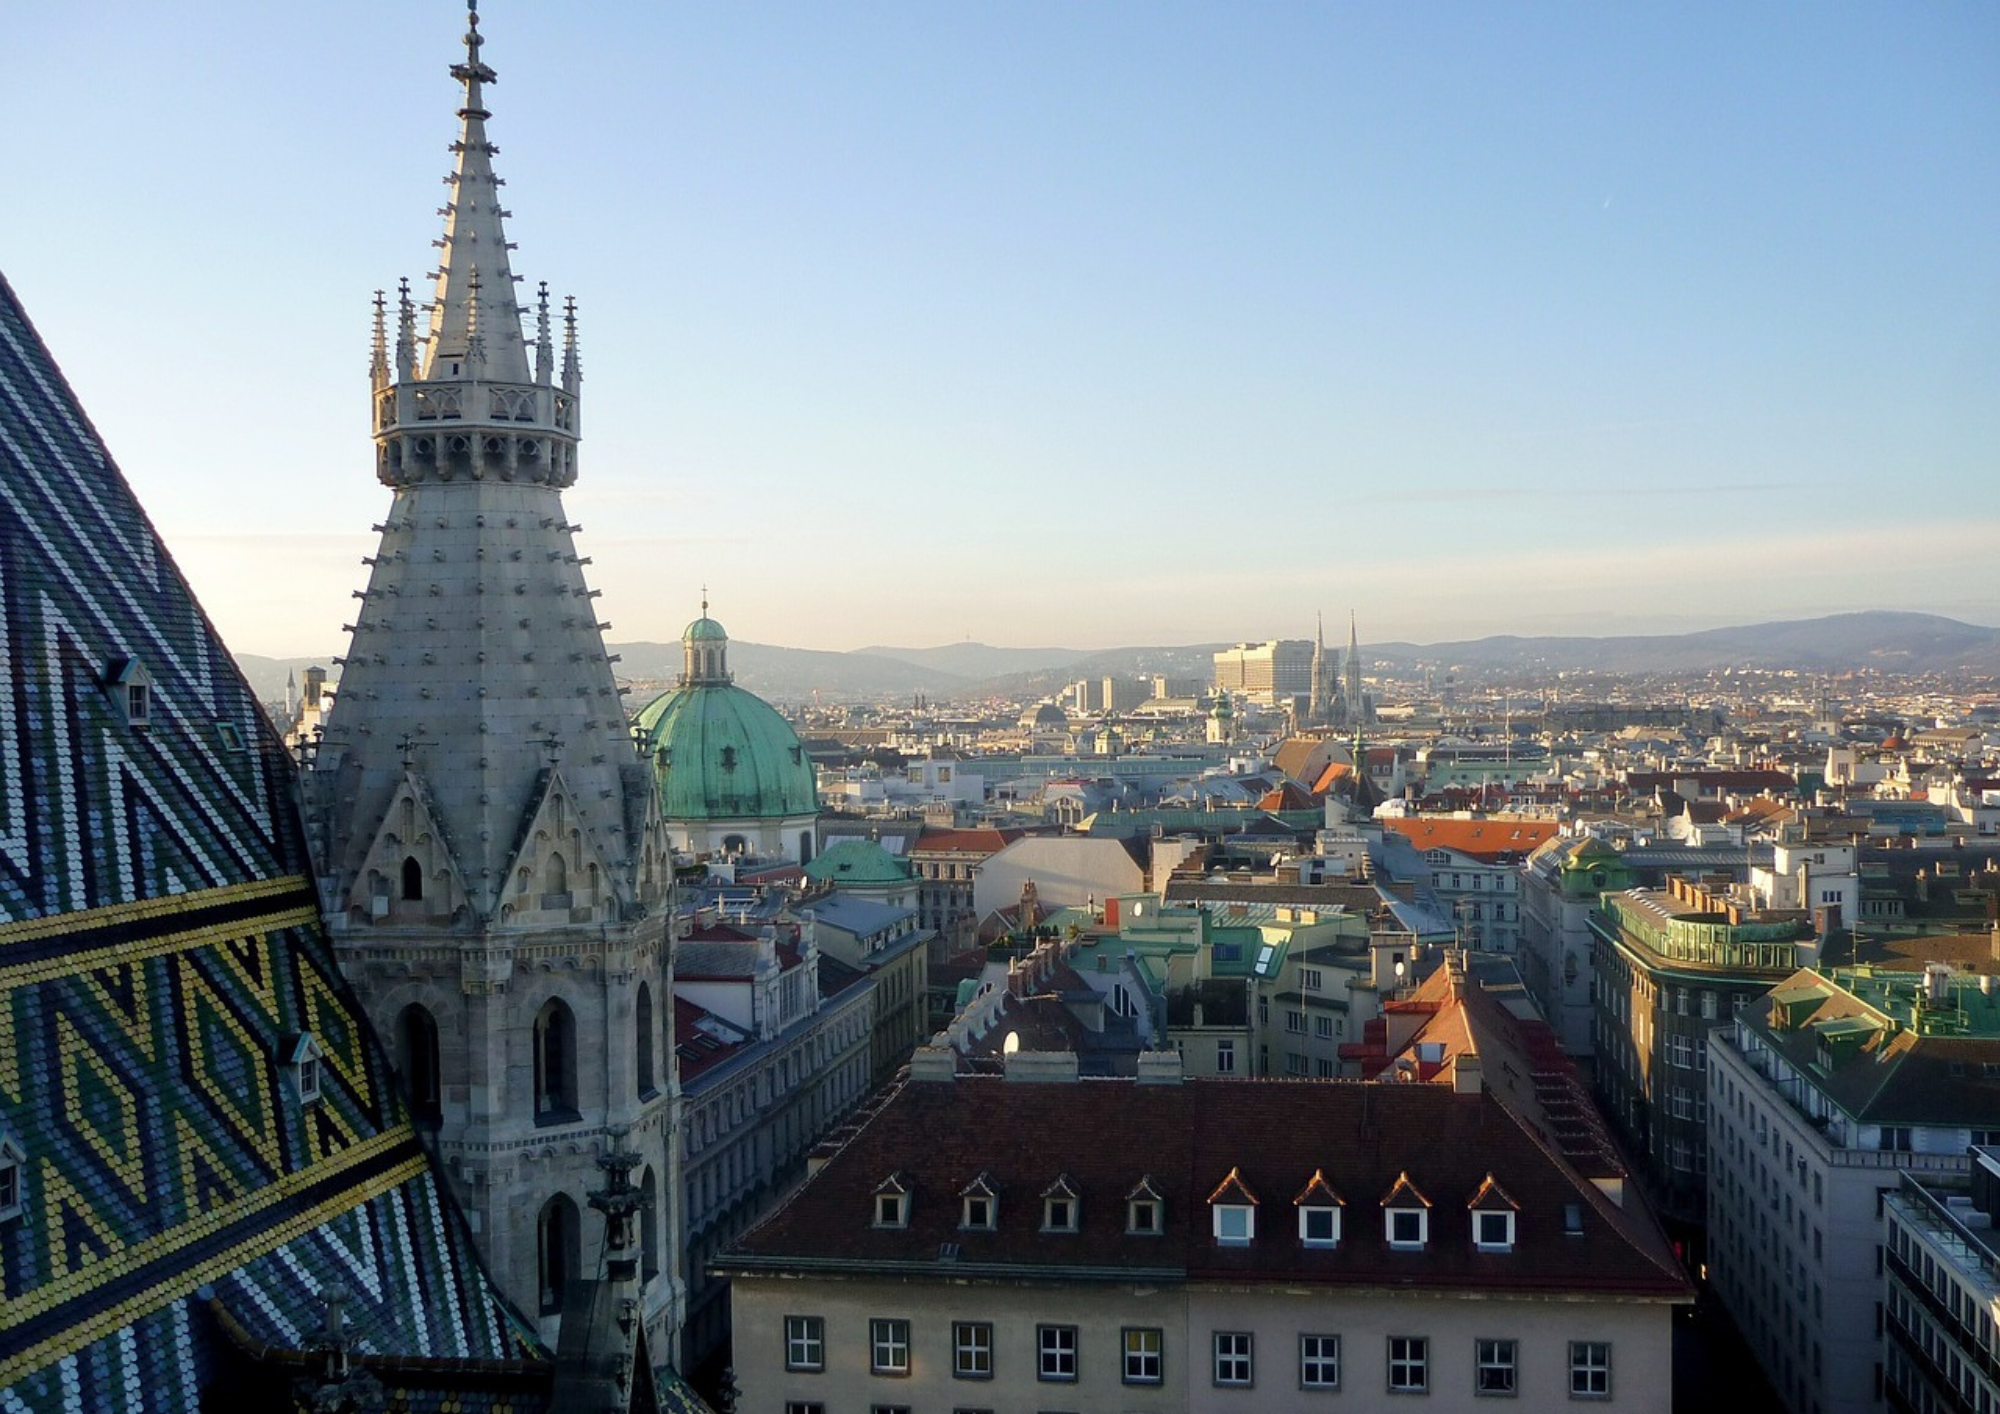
(704, 630)
(721, 753)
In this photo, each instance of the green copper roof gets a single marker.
(704, 630)
(721, 753)
(855, 863)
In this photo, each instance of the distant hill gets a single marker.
(1889, 641)
(978, 661)
(1901, 643)
(794, 674)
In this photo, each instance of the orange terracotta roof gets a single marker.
(1486, 839)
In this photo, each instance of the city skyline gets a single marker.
(1091, 327)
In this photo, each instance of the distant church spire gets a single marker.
(1317, 705)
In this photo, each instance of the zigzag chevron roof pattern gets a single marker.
(181, 1201)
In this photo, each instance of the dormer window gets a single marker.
(1319, 1213)
(302, 1058)
(981, 1205)
(131, 686)
(13, 1170)
(1233, 1212)
(1406, 1216)
(892, 1202)
(1493, 1218)
(1060, 1206)
(1145, 1210)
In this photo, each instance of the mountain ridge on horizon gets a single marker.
(1901, 641)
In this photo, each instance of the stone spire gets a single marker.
(475, 239)
(1357, 709)
(490, 848)
(477, 674)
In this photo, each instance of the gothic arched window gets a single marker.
(417, 1059)
(413, 879)
(643, 1024)
(558, 1251)
(555, 1063)
(649, 1226)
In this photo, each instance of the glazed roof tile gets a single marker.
(160, 950)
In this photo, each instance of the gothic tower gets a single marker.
(492, 861)
(1319, 705)
(1356, 704)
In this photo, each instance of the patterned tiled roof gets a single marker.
(160, 956)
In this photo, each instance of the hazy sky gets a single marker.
(1081, 323)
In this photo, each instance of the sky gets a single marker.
(1080, 324)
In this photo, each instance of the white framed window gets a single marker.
(1055, 1353)
(1235, 1224)
(804, 1406)
(1406, 1228)
(1145, 1212)
(1060, 1206)
(1145, 1354)
(1590, 1369)
(1319, 1226)
(1225, 1057)
(1234, 1363)
(1295, 1022)
(971, 1350)
(889, 1347)
(1323, 1027)
(1409, 1364)
(805, 1343)
(1312, 979)
(1493, 1231)
(1494, 1367)
(1319, 1362)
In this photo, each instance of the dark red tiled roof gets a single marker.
(1273, 1136)
(980, 842)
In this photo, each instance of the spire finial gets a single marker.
(474, 230)
(572, 369)
(545, 357)
(704, 601)
(406, 330)
(378, 360)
